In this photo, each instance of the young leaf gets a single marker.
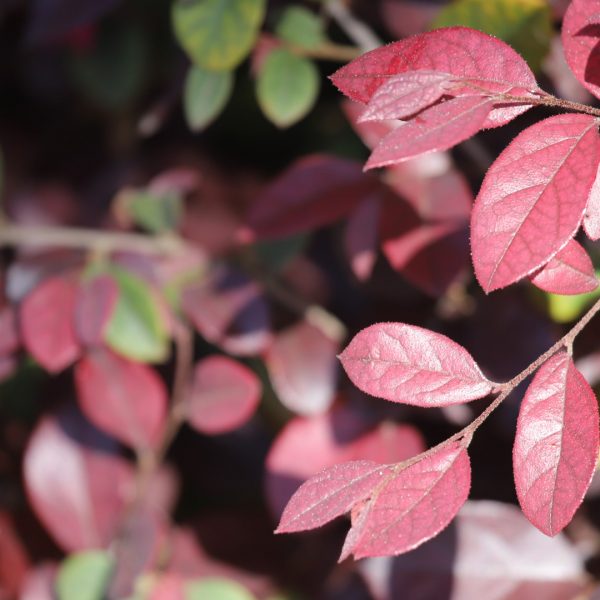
(570, 272)
(124, 398)
(205, 95)
(47, 324)
(84, 576)
(533, 197)
(218, 34)
(224, 395)
(287, 87)
(556, 445)
(407, 364)
(437, 128)
(459, 51)
(301, 27)
(94, 305)
(412, 505)
(580, 32)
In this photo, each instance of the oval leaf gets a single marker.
(301, 27)
(95, 302)
(47, 324)
(124, 398)
(570, 272)
(224, 395)
(216, 588)
(556, 445)
(532, 199)
(205, 95)
(84, 576)
(407, 364)
(218, 34)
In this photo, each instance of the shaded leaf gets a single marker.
(403, 363)
(94, 305)
(556, 445)
(224, 395)
(218, 34)
(532, 199)
(123, 398)
(287, 87)
(9, 333)
(564, 309)
(14, 562)
(216, 588)
(84, 576)
(570, 272)
(205, 95)
(47, 324)
(301, 27)
(153, 209)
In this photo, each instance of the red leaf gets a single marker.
(533, 198)
(122, 397)
(9, 335)
(460, 51)
(47, 324)
(403, 363)
(314, 191)
(411, 505)
(591, 218)
(437, 128)
(14, 562)
(570, 272)
(224, 395)
(74, 477)
(580, 36)
(302, 366)
(406, 94)
(330, 494)
(556, 445)
(96, 299)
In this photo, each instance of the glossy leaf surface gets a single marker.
(556, 445)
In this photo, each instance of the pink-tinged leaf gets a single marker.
(124, 398)
(437, 128)
(9, 334)
(532, 199)
(14, 562)
(95, 302)
(581, 41)
(591, 218)
(39, 584)
(556, 445)
(406, 94)
(370, 132)
(224, 395)
(407, 364)
(73, 475)
(411, 505)
(302, 367)
(570, 272)
(313, 192)
(330, 494)
(8, 365)
(47, 324)
(459, 51)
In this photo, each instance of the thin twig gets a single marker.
(362, 35)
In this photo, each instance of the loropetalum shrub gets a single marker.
(446, 85)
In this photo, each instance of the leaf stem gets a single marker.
(362, 35)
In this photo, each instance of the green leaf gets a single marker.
(205, 95)
(216, 588)
(157, 213)
(137, 328)
(218, 34)
(524, 24)
(84, 576)
(301, 27)
(564, 309)
(287, 87)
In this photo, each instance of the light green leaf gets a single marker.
(287, 87)
(157, 213)
(216, 588)
(205, 95)
(564, 309)
(301, 27)
(524, 24)
(137, 328)
(84, 576)
(218, 34)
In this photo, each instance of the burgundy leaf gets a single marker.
(459, 51)
(437, 128)
(533, 198)
(14, 562)
(556, 445)
(122, 397)
(47, 324)
(591, 218)
(74, 476)
(314, 191)
(8, 365)
(581, 41)
(403, 95)
(96, 299)
(407, 364)
(331, 493)
(570, 272)
(302, 367)
(224, 395)
(411, 505)
(9, 334)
